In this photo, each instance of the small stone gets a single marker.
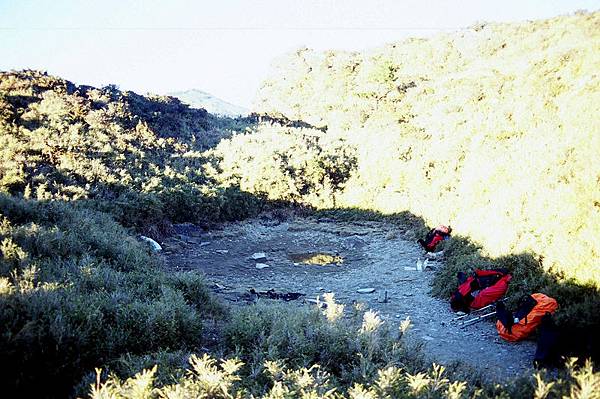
(261, 266)
(258, 255)
(204, 243)
(221, 251)
(410, 269)
(365, 290)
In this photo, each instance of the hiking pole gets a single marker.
(477, 319)
(474, 311)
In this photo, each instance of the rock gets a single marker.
(222, 251)
(171, 246)
(410, 269)
(261, 266)
(258, 255)
(153, 244)
(204, 243)
(365, 290)
(354, 241)
(391, 235)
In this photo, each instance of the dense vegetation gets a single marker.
(492, 130)
(134, 156)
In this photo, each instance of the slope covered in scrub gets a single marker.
(138, 157)
(494, 130)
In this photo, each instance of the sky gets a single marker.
(223, 47)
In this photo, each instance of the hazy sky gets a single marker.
(220, 46)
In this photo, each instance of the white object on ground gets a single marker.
(365, 290)
(434, 255)
(261, 266)
(153, 244)
(258, 255)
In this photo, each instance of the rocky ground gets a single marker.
(375, 263)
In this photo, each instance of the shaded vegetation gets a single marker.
(291, 353)
(76, 291)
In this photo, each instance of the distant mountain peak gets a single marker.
(200, 99)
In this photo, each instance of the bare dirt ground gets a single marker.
(370, 255)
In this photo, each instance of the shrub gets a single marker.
(78, 291)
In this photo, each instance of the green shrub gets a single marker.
(78, 292)
(271, 375)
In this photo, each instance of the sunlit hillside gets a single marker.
(138, 157)
(494, 130)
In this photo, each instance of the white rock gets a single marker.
(365, 290)
(153, 244)
(410, 269)
(258, 255)
(261, 266)
(221, 251)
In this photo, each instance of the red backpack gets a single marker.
(481, 289)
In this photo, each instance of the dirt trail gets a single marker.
(374, 255)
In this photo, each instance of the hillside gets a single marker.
(136, 156)
(493, 130)
(199, 99)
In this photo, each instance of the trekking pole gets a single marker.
(477, 319)
(474, 311)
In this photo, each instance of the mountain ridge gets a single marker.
(196, 98)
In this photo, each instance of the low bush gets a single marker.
(77, 291)
(303, 353)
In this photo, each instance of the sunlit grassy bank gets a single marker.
(493, 130)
